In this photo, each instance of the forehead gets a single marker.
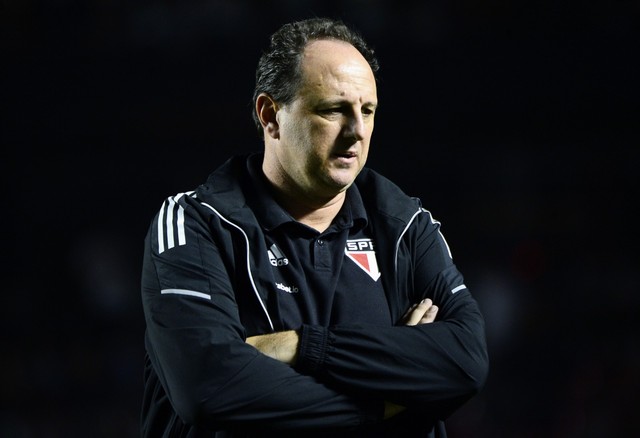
(332, 68)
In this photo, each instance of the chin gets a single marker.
(342, 184)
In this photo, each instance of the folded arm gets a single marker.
(428, 366)
(283, 346)
(195, 342)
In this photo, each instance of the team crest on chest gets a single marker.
(364, 256)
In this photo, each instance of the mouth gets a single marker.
(346, 155)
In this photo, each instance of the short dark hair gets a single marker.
(278, 73)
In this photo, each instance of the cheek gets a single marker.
(365, 155)
(313, 141)
(370, 129)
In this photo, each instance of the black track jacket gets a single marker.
(207, 285)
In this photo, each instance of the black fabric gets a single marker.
(319, 283)
(212, 276)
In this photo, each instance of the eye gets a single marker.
(368, 111)
(329, 111)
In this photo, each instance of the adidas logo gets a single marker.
(276, 258)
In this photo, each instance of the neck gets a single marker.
(310, 207)
(315, 214)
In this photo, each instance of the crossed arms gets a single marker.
(283, 346)
(321, 376)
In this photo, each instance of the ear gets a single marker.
(266, 109)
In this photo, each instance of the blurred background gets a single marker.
(516, 123)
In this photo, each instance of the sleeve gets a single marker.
(195, 342)
(436, 367)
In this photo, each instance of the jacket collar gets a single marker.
(227, 186)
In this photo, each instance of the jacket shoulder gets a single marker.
(383, 195)
(226, 187)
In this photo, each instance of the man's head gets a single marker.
(278, 72)
(317, 140)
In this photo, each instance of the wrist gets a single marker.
(288, 348)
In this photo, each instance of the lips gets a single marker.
(346, 154)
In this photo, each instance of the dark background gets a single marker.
(515, 122)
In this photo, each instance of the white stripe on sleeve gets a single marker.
(190, 293)
(180, 222)
(182, 239)
(172, 204)
(160, 230)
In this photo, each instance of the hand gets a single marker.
(282, 346)
(423, 312)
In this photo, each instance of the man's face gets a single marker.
(325, 131)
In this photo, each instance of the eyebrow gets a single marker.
(342, 102)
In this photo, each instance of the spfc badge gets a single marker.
(362, 253)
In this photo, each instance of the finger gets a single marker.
(430, 315)
(406, 315)
(418, 312)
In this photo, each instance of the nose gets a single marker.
(355, 127)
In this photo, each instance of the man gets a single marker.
(294, 293)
